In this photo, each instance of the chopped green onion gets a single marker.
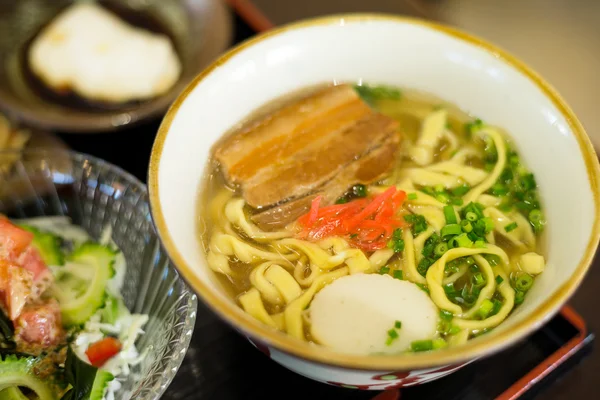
(452, 229)
(449, 289)
(424, 265)
(470, 260)
(498, 189)
(450, 215)
(353, 235)
(439, 188)
(499, 279)
(457, 201)
(497, 307)
(384, 270)
(523, 282)
(489, 224)
(454, 330)
(485, 309)
(511, 227)
(466, 226)
(359, 190)
(398, 274)
(519, 297)
(461, 190)
(443, 326)
(536, 218)
(439, 343)
(474, 208)
(392, 333)
(396, 243)
(412, 196)
(479, 244)
(440, 249)
(446, 315)
(478, 279)
(397, 324)
(419, 224)
(442, 198)
(471, 216)
(421, 345)
(461, 240)
(341, 200)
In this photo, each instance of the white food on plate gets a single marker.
(94, 53)
(354, 313)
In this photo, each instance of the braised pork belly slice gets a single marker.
(313, 167)
(278, 136)
(367, 169)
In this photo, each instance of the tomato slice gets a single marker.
(103, 350)
(13, 240)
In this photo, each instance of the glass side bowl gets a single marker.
(96, 194)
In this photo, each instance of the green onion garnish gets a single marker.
(419, 224)
(450, 215)
(461, 190)
(396, 243)
(454, 330)
(511, 227)
(397, 274)
(442, 198)
(451, 229)
(384, 270)
(485, 309)
(446, 315)
(499, 279)
(392, 333)
(523, 282)
(479, 244)
(489, 224)
(478, 279)
(439, 343)
(397, 324)
(412, 196)
(466, 225)
(519, 297)
(440, 249)
(497, 307)
(421, 345)
(461, 240)
(359, 190)
(471, 216)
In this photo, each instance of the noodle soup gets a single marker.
(372, 220)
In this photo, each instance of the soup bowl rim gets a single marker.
(481, 346)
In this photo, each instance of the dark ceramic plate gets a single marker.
(199, 29)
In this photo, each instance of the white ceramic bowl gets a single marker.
(467, 71)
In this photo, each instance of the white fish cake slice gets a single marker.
(354, 313)
(98, 56)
